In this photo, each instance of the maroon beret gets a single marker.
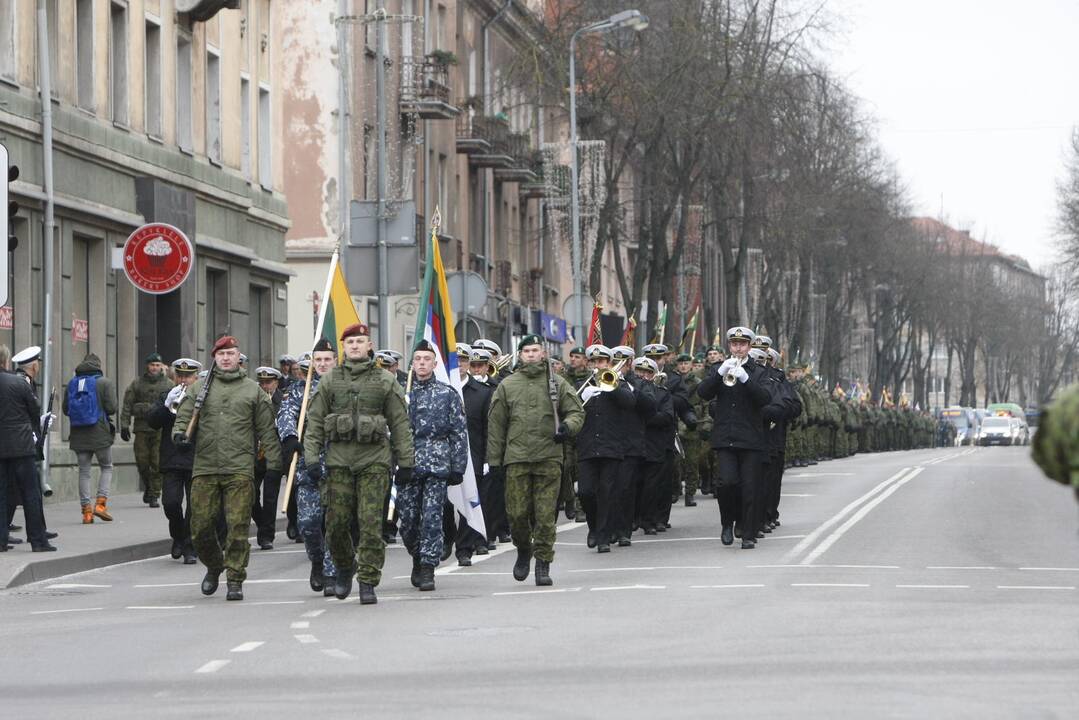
(225, 342)
(355, 329)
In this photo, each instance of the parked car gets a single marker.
(996, 430)
(964, 421)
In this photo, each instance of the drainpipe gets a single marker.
(487, 111)
(47, 269)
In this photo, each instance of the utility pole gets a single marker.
(49, 261)
(344, 180)
(380, 130)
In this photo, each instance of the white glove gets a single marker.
(174, 398)
(47, 418)
(486, 468)
(590, 392)
(740, 374)
(726, 365)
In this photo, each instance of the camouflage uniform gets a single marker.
(567, 496)
(706, 456)
(356, 405)
(140, 396)
(440, 439)
(692, 444)
(310, 510)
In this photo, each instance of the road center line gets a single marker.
(853, 520)
(313, 613)
(159, 607)
(248, 646)
(1049, 569)
(69, 610)
(709, 587)
(628, 587)
(1035, 587)
(300, 625)
(936, 587)
(847, 585)
(338, 653)
(72, 586)
(536, 592)
(306, 639)
(838, 517)
(213, 666)
(960, 567)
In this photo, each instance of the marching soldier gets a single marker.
(477, 392)
(235, 416)
(577, 373)
(440, 440)
(738, 435)
(690, 460)
(356, 406)
(139, 397)
(176, 463)
(654, 499)
(267, 485)
(600, 451)
(532, 412)
(632, 429)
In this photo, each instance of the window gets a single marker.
(153, 79)
(213, 106)
(7, 39)
(265, 157)
(84, 53)
(472, 72)
(245, 127)
(217, 304)
(118, 62)
(183, 92)
(260, 327)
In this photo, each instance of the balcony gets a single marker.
(425, 89)
(522, 169)
(541, 186)
(497, 155)
(472, 133)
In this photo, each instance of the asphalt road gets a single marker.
(937, 583)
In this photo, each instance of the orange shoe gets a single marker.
(100, 510)
(87, 514)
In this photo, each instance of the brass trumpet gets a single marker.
(605, 380)
(501, 363)
(729, 379)
(660, 379)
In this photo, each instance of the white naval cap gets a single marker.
(740, 333)
(759, 355)
(618, 352)
(489, 345)
(27, 356)
(644, 363)
(186, 365)
(595, 351)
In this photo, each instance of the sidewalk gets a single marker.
(137, 532)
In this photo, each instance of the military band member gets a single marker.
(286, 364)
(632, 430)
(576, 373)
(477, 392)
(600, 450)
(738, 434)
(532, 412)
(139, 397)
(793, 409)
(235, 417)
(356, 407)
(267, 486)
(654, 495)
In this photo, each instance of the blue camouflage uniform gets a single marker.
(440, 438)
(309, 507)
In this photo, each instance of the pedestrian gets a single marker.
(89, 402)
(358, 413)
(439, 436)
(139, 397)
(234, 418)
(20, 416)
(309, 498)
(533, 411)
(176, 462)
(267, 483)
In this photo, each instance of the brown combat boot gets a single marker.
(87, 514)
(100, 510)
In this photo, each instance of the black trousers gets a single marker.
(655, 493)
(775, 486)
(264, 508)
(20, 473)
(597, 483)
(740, 474)
(492, 488)
(626, 490)
(176, 501)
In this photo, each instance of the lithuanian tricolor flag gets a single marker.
(339, 310)
(435, 322)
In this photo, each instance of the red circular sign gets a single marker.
(158, 258)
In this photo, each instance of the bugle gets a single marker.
(729, 379)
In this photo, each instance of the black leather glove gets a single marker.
(181, 441)
(404, 475)
(272, 478)
(691, 420)
(291, 446)
(314, 471)
(704, 434)
(493, 470)
(125, 435)
(455, 479)
(561, 435)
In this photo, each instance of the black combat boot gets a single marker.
(624, 541)
(177, 549)
(291, 531)
(591, 541)
(367, 594)
(209, 582)
(690, 502)
(464, 560)
(523, 564)
(343, 585)
(727, 536)
(317, 581)
(329, 582)
(427, 578)
(738, 530)
(481, 549)
(543, 572)
(748, 544)
(190, 556)
(236, 591)
(603, 547)
(416, 567)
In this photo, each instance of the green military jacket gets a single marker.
(690, 381)
(139, 397)
(352, 411)
(521, 423)
(235, 419)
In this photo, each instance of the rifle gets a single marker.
(43, 437)
(552, 391)
(199, 400)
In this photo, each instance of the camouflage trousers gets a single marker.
(147, 444)
(567, 495)
(532, 505)
(359, 495)
(208, 494)
(310, 515)
(419, 513)
(690, 463)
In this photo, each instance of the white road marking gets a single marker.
(785, 537)
(1049, 569)
(536, 592)
(306, 639)
(936, 587)
(248, 646)
(72, 586)
(69, 610)
(655, 567)
(842, 529)
(339, 654)
(167, 585)
(849, 585)
(275, 580)
(805, 475)
(1035, 587)
(300, 625)
(277, 602)
(159, 607)
(476, 559)
(313, 613)
(628, 587)
(796, 495)
(857, 567)
(838, 517)
(288, 552)
(960, 567)
(213, 666)
(708, 587)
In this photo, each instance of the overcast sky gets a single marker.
(975, 102)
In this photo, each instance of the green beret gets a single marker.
(529, 340)
(577, 351)
(684, 357)
(153, 357)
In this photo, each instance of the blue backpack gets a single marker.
(82, 406)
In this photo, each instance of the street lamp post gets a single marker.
(626, 19)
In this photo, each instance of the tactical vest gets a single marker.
(356, 408)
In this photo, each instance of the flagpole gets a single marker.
(334, 259)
